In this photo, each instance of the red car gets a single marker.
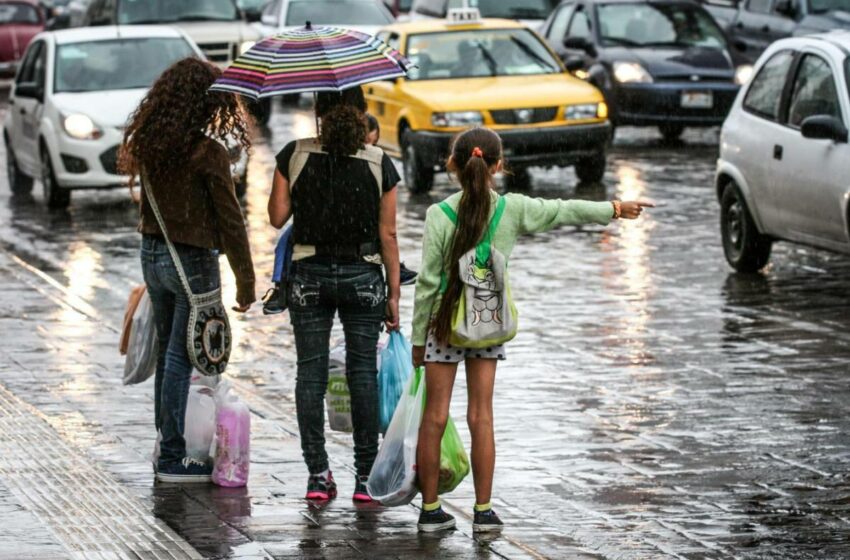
(20, 21)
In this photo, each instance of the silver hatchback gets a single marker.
(784, 167)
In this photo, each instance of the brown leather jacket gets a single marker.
(201, 210)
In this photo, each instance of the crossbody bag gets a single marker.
(208, 336)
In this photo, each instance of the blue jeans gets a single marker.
(316, 293)
(171, 313)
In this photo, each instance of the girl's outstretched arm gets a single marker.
(537, 215)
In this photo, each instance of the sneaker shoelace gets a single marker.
(189, 461)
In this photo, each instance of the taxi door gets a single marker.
(384, 101)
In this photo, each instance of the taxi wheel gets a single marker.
(18, 181)
(54, 195)
(746, 249)
(518, 179)
(591, 169)
(418, 177)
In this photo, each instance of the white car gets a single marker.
(366, 16)
(72, 98)
(784, 167)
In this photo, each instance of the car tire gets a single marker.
(261, 110)
(418, 176)
(19, 182)
(55, 196)
(671, 132)
(591, 169)
(746, 249)
(518, 179)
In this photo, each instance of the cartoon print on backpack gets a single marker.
(487, 302)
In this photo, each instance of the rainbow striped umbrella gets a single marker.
(311, 59)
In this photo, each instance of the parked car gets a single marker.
(492, 72)
(218, 27)
(758, 23)
(784, 153)
(71, 101)
(529, 12)
(20, 21)
(661, 63)
(366, 16)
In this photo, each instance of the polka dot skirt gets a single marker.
(448, 354)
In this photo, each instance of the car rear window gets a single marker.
(334, 12)
(19, 14)
(765, 93)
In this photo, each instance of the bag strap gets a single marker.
(171, 249)
(304, 147)
(482, 250)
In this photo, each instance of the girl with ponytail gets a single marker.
(475, 159)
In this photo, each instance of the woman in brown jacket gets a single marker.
(174, 141)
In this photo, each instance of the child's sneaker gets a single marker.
(187, 470)
(486, 522)
(321, 487)
(271, 302)
(408, 276)
(361, 494)
(437, 520)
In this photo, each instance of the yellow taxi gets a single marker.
(491, 72)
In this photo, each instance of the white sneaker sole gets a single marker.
(488, 528)
(183, 478)
(434, 527)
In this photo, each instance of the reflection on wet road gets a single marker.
(654, 404)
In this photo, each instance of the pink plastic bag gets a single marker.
(233, 439)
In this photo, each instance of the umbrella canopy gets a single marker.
(311, 59)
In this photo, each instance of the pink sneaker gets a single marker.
(320, 487)
(361, 494)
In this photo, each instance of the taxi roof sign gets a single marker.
(463, 16)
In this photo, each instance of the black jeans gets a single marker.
(171, 313)
(317, 291)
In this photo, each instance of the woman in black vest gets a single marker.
(342, 197)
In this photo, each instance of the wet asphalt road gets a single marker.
(655, 405)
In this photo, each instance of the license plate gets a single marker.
(697, 100)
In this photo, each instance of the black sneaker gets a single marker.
(486, 522)
(361, 494)
(271, 302)
(408, 276)
(321, 488)
(437, 520)
(187, 470)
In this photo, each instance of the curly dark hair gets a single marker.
(344, 125)
(175, 116)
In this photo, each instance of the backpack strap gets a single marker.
(482, 250)
(372, 155)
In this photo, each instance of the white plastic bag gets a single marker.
(143, 348)
(232, 439)
(199, 428)
(392, 481)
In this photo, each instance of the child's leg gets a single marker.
(480, 379)
(439, 379)
(279, 256)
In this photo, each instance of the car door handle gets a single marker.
(370, 91)
(777, 152)
(23, 110)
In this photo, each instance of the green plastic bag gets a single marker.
(454, 463)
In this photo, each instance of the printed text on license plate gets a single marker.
(697, 100)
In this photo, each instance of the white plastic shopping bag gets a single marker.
(232, 439)
(392, 481)
(199, 428)
(143, 346)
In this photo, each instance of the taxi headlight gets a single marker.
(243, 48)
(743, 74)
(81, 127)
(457, 118)
(631, 72)
(582, 112)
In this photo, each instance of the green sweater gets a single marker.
(523, 215)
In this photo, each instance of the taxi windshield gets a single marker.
(479, 53)
(115, 64)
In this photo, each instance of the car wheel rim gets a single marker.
(735, 226)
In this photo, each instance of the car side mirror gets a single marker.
(252, 16)
(786, 8)
(824, 127)
(580, 44)
(30, 90)
(574, 63)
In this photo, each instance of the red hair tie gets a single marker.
(476, 152)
